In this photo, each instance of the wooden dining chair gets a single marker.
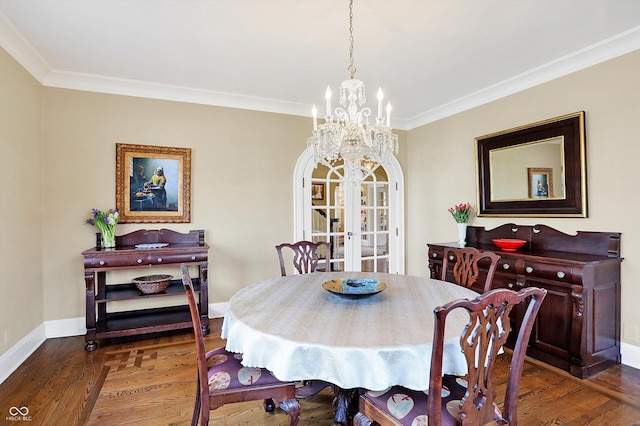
(222, 379)
(468, 400)
(305, 256)
(465, 266)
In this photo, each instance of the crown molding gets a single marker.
(144, 89)
(605, 50)
(20, 49)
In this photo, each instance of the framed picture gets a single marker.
(153, 184)
(317, 191)
(540, 182)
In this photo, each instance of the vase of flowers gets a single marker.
(462, 215)
(106, 223)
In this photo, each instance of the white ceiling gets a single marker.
(433, 58)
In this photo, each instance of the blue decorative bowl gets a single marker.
(357, 287)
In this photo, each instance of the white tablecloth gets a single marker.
(299, 331)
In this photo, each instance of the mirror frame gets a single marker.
(571, 128)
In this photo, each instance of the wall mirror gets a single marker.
(536, 170)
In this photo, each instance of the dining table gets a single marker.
(300, 328)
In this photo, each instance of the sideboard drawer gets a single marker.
(160, 258)
(115, 260)
(550, 271)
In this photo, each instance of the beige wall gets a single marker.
(58, 164)
(441, 167)
(242, 168)
(21, 203)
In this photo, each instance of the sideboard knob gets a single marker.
(529, 269)
(510, 285)
(139, 261)
(560, 274)
(102, 262)
(451, 257)
(193, 258)
(159, 259)
(506, 266)
(434, 255)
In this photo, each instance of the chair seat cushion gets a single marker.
(409, 407)
(225, 372)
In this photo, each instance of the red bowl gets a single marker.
(509, 244)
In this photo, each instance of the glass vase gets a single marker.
(108, 240)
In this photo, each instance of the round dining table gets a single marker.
(300, 331)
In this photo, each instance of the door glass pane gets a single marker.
(354, 218)
(374, 213)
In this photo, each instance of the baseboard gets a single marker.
(65, 327)
(217, 310)
(630, 355)
(18, 353)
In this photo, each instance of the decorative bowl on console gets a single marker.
(509, 244)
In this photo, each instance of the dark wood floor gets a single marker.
(61, 385)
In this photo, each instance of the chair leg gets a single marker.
(269, 405)
(292, 408)
(196, 408)
(361, 420)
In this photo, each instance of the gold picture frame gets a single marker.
(153, 184)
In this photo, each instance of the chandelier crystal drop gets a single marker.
(346, 133)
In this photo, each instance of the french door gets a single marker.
(363, 222)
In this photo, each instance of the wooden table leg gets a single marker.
(344, 405)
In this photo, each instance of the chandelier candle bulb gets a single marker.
(380, 98)
(388, 114)
(314, 112)
(327, 96)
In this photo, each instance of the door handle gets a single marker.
(349, 234)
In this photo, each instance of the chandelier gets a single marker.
(346, 133)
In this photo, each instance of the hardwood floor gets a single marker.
(134, 383)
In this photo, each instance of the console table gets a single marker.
(177, 248)
(578, 326)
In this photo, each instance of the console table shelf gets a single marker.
(129, 291)
(578, 326)
(178, 248)
(131, 323)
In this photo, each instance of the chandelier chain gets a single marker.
(351, 68)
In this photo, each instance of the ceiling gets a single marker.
(433, 58)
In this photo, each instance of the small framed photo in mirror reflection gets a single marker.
(317, 191)
(540, 182)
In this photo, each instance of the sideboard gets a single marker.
(578, 326)
(143, 250)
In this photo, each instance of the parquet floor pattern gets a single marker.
(151, 381)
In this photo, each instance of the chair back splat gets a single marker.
(306, 256)
(225, 380)
(470, 400)
(465, 266)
